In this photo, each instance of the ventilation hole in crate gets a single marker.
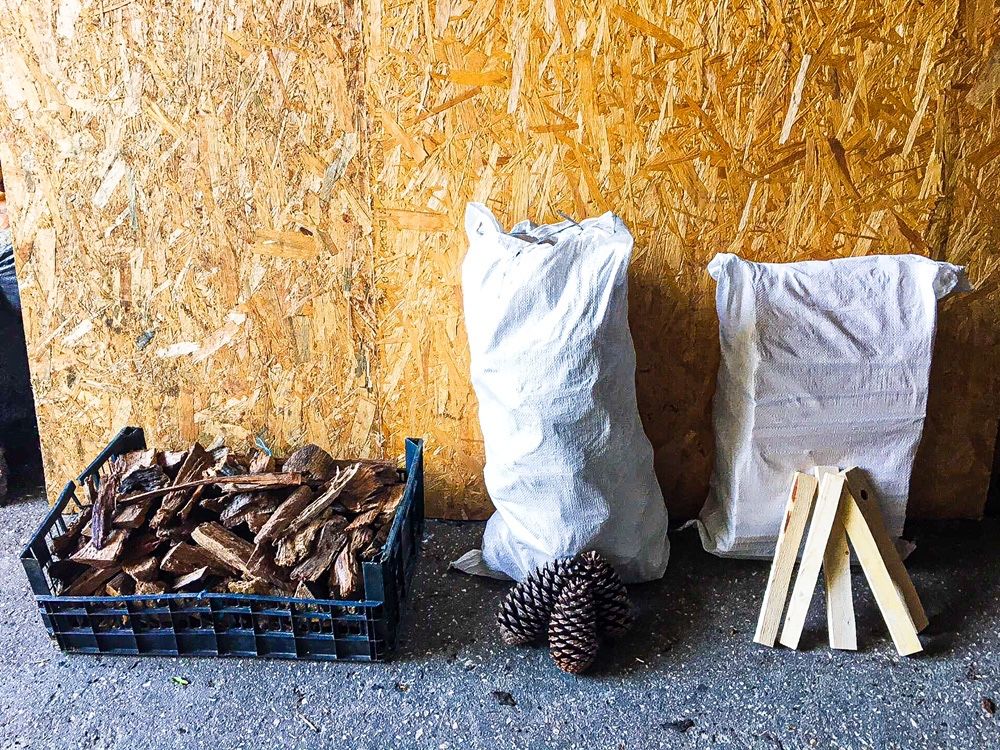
(233, 621)
(314, 626)
(144, 623)
(349, 627)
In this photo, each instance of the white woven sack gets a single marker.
(568, 465)
(823, 363)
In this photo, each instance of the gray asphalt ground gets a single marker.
(688, 677)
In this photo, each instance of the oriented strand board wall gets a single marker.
(211, 243)
(778, 130)
(188, 193)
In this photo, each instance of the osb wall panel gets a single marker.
(778, 130)
(191, 222)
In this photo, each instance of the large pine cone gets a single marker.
(614, 610)
(573, 628)
(524, 613)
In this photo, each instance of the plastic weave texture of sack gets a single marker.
(568, 465)
(823, 363)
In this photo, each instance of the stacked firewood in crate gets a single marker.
(215, 520)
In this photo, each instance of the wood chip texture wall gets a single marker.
(244, 219)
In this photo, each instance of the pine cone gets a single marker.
(614, 610)
(524, 613)
(573, 628)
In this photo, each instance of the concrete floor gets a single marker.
(689, 675)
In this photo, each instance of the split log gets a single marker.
(195, 581)
(345, 577)
(62, 544)
(132, 516)
(365, 518)
(245, 483)
(287, 512)
(312, 461)
(89, 583)
(223, 545)
(331, 540)
(195, 464)
(320, 505)
(144, 569)
(245, 504)
(293, 548)
(150, 588)
(305, 591)
(172, 461)
(66, 571)
(263, 463)
(120, 585)
(104, 507)
(104, 557)
(366, 481)
(184, 558)
(257, 519)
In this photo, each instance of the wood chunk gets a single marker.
(287, 512)
(320, 505)
(257, 519)
(375, 546)
(391, 499)
(312, 461)
(89, 583)
(366, 481)
(120, 585)
(293, 548)
(172, 461)
(306, 590)
(227, 548)
(174, 534)
(263, 566)
(184, 558)
(193, 502)
(331, 540)
(107, 556)
(90, 493)
(132, 516)
(142, 544)
(196, 463)
(263, 463)
(228, 463)
(135, 460)
(364, 519)
(245, 503)
(149, 588)
(104, 507)
(254, 586)
(67, 541)
(144, 569)
(144, 479)
(195, 581)
(346, 573)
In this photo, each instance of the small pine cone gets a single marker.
(524, 613)
(614, 610)
(573, 628)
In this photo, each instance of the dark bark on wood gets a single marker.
(293, 548)
(120, 585)
(132, 516)
(144, 479)
(369, 479)
(263, 463)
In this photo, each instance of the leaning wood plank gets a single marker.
(890, 601)
(331, 540)
(88, 583)
(837, 577)
(247, 482)
(287, 512)
(104, 506)
(195, 464)
(184, 558)
(800, 500)
(830, 491)
(223, 545)
(865, 496)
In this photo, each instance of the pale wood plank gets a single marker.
(867, 499)
(837, 577)
(800, 500)
(831, 489)
(890, 600)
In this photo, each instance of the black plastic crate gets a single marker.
(210, 624)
